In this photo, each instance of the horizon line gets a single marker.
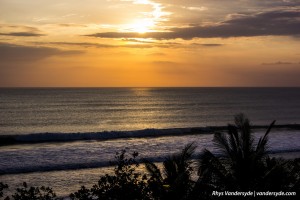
(112, 87)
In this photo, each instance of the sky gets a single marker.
(149, 43)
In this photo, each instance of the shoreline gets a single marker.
(286, 155)
(48, 137)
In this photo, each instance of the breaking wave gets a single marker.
(110, 135)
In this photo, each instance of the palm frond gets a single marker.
(246, 139)
(179, 165)
(262, 143)
(153, 170)
(170, 169)
(188, 150)
(221, 141)
(210, 164)
(233, 138)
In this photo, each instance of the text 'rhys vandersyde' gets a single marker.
(236, 193)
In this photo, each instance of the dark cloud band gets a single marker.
(22, 34)
(13, 53)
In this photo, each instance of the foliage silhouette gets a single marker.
(2, 187)
(243, 165)
(125, 184)
(31, 193)
(175, 182)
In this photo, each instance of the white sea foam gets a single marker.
(93, 153)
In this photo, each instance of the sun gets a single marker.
(141, 26)
(142, 2)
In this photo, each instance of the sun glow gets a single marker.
(141, 25)
(149, 21)
(142, 2)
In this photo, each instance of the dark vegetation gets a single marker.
(243, 166)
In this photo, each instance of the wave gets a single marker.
(105, 135)
(110, 135)
(101, 164)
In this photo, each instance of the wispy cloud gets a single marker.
(137, 40)
(11, 52)
(163, 62)
(97, 45)
(72, 25)
(22, 34)
(208, 44)
(134, 44)
(279, 63)
(19, 31)
(275, 23)
(202, 8)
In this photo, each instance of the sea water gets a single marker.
(80, 112)
(65, 110)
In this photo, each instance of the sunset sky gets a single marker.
(149, 43)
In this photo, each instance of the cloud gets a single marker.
(283, 76)
(135, 44)
(19, 31)
(279, 63)
(158, 54)
(269, 23)
(201, 8)
(22, 34)
(72, 25)
(14, 53)
(137, 41)
(208, 45)
(162, 62)
(141, 45)
(98, 45)
(81, 44)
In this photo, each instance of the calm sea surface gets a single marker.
(66, 166)
(24, 111)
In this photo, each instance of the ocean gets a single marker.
(65, 137)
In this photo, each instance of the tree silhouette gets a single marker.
(175, 180)
(34, 193)
(243, 165)
(2, 187)
(125, 184)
